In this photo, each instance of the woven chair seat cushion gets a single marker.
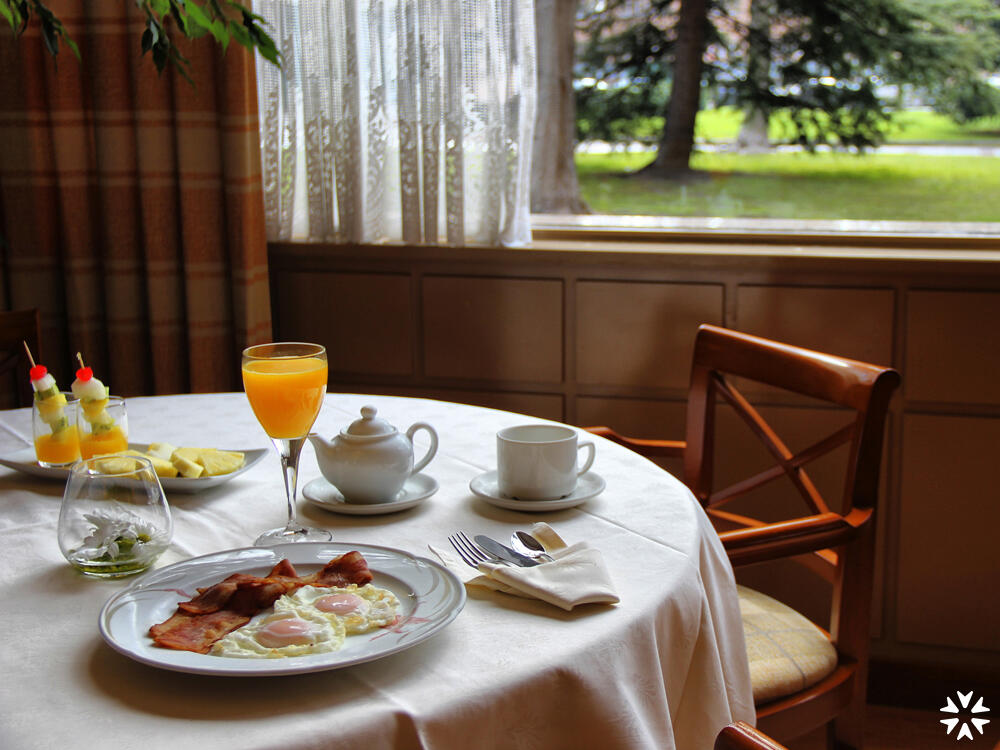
(787, 652)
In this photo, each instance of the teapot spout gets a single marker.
(320, 443)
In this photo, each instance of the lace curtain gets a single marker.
(398, 120)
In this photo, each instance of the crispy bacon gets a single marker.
(229, 604)
(214, 598)
(342, 571)
(186, 632)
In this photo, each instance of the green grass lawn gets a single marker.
(801, 186)
(723, 124)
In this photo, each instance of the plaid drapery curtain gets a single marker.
(131, 211)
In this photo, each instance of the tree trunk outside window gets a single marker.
(673, 152)
(753, 136)
(554, 186)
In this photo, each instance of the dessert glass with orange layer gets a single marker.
(103, 426)
(57, 442)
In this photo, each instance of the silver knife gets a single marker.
(504, 552)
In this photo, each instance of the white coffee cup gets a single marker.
(539, 461)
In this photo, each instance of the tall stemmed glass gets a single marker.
(285, 384)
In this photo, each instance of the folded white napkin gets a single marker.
(575, 576)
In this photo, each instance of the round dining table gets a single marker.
(664, 667)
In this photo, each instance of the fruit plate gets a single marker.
(430, 597)
(24, 461)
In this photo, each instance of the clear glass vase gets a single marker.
(114, 520)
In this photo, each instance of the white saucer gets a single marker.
(587, 486)
(416, 489)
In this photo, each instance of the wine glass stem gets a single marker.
(288, 451)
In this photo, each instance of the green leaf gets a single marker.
(198, 16)
(160, 56)
(50, 35)
(221, 33)
(72, 46)
(180, 17)
(264, 43)
(240, 34)
(8, 13)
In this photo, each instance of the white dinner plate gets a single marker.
(416, 489)
(24, 461)
(430, 597)
(588, 485)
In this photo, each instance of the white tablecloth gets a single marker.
(664, 668)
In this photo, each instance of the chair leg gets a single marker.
(846, 732)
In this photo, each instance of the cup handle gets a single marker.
(589, 445)
(430, 451)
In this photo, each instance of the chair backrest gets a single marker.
(16, 328)
(722, 359)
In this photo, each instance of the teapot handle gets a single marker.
(430, 451)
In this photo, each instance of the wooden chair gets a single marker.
(837, 542)
(742, 736)
(17, 327)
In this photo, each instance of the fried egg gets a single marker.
(276, 634)
(358, 608)
(311, 620)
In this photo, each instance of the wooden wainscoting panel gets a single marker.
(949, 516)
(543, 405)
(499, 329)
(641, 333)
(638, 418)
(849, 322)
(952, 347)
(365, 320)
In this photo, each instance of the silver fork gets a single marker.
(470, 552)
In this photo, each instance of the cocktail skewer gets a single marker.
(93, 396)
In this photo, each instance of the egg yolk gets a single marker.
(290, 631)
(340, 604)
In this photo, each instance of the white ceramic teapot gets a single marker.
(370, 460)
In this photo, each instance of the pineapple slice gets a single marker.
(92, 408)
(186, 468)
(116, 463)
(161, 467)
(219, 462)
(187, 452)
(161, 450)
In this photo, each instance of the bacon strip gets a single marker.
(229, 604)
(186, 632)
(342, 571)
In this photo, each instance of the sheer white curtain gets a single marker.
(399, 120)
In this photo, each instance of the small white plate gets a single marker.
(588, 485)
(24, 461)
(416, 489)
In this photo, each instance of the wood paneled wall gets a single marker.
(604, 335)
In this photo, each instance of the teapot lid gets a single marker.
(369, 425)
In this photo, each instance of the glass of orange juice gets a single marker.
(285, 384)
(103, 426)
(53, 422)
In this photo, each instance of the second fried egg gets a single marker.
(358, 608)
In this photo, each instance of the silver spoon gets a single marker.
(526, 544)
